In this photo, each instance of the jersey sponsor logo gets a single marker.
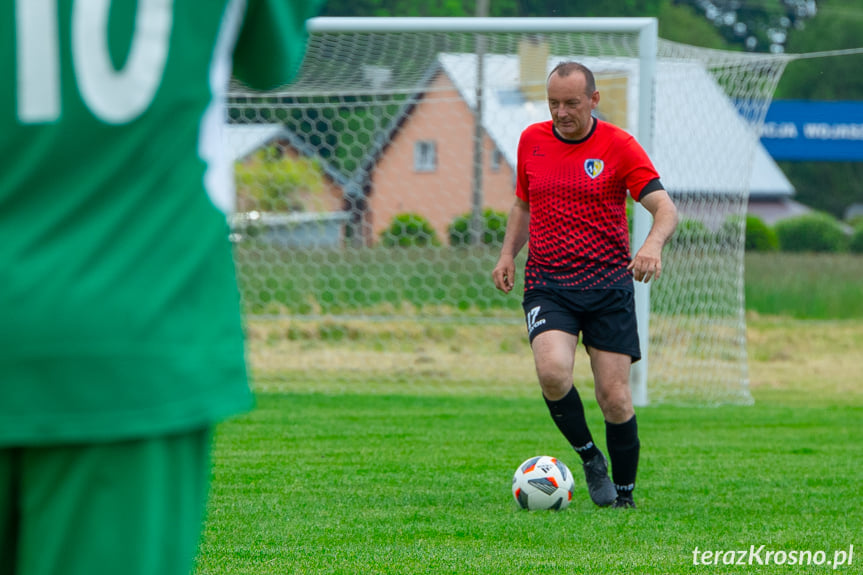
(593, 167)
(532, 323)
(537, 151)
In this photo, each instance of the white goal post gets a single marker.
(370, 192)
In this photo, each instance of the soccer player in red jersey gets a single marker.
(573, 176)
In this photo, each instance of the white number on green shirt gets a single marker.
(113, 96)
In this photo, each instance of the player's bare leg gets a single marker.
(554, 357)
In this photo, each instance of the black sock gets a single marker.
(568, 415)
(623, 449)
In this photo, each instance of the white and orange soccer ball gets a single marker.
(543, 482)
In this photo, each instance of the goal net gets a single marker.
(372, 196)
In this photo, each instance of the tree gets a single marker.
(757, 26)
(498, 8)
(829, 78)
(677, 21)
(399, 8)
(826, 186)
(268, 181)
(681, 23)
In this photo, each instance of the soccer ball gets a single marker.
(543, 482)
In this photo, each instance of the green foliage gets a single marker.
(681, 23)
(752, 24)
(492, 232)
(505, 8)
(343, 129)
(826, 186)
(690, 233)
(340, 129)
(578, 8)
(270, 182)
(855, 245)
(815, 232)
(833, 78)
(759, 236)
(409, 230)
(399, 8)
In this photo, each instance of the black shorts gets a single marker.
(604, 318)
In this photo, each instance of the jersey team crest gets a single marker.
(593, 167)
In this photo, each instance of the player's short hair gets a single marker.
(564, 69)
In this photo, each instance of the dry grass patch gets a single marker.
(806, 360)
(790, 360)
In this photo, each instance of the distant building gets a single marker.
(704, 150)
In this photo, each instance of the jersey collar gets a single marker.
(581, 141)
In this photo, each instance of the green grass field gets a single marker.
(397, 478)
(806, 286)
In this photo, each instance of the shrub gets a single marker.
(730, 231)
(267, 181)
(759, 236)
(492, 231)
(814, 232)
(855, 245)
(409, 230)
(689, 233)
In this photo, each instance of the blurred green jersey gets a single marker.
(119, 309)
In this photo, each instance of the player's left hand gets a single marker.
(647, 264)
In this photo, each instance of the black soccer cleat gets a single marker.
(600, 487)
(624, 503)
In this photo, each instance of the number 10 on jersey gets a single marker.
(113, 96)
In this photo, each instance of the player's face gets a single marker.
(570, 105)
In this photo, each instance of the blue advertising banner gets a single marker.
(806, 130)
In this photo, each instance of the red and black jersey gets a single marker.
(579, 237)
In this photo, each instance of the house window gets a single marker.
(425, 156)
(495, 160)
